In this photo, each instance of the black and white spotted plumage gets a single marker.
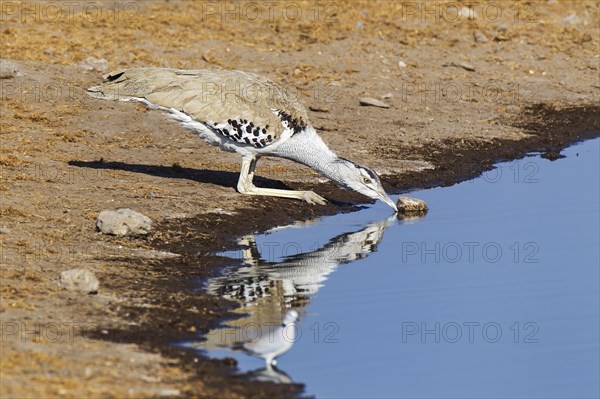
(295, 124)
(243, 131)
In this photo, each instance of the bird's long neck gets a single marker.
(308, 148)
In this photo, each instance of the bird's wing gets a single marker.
(241, 106)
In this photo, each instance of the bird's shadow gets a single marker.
(218, 177)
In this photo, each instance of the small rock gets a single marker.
(94, 64)
(466, 66)
(168, 392)
(9, 69)
(386, 96)
(4, 230)
(359, 25)
(501, 34)
(123, 222)
(411, 206)
(176, 215)
(572, 19)
(373, 102)
(82, 280)
(402, 64)
(147, 378)
(480, 37)
(318, 108)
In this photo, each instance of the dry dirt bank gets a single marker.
(475, 88)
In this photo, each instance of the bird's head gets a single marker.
(360, 179)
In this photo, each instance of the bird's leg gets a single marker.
(246, 186)
(250, 253)
(269, 364)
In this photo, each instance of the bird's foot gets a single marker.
(313, 198)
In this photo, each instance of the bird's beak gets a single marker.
(386, 198)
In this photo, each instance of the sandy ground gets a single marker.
(465, 88)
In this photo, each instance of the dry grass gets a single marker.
(149, 33)
(11, 160)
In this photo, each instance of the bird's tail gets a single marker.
(127, 84)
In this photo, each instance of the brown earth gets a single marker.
(458, 105)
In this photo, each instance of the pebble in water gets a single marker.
(409, 206)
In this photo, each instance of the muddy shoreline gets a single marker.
(463, 91)
(174, 283)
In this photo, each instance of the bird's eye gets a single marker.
(366, 180)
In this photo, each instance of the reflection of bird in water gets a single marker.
(297, 275)
(270, 374)
(274, 344)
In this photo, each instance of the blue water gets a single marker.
(494, 293)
